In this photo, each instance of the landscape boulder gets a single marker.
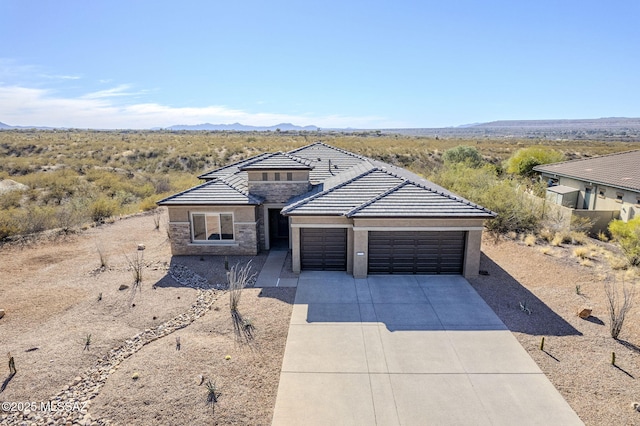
(1, 313)
(584, 312)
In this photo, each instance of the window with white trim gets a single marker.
(211, 227)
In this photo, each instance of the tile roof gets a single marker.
(620, 170)
(411, 200)
(327, 161)
(343, 198)
(230, 169)
(212, 192)
(380, 193)
(278, 160)
(345, 184)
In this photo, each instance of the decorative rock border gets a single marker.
(84, 388)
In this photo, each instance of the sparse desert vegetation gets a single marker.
(104, 291)
(70, 178)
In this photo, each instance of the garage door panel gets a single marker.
(323, 249)
(425, 252)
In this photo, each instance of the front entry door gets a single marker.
(278, 229)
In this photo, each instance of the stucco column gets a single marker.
(472, 255)
(360, 253)
(295, 249)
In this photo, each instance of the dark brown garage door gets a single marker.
(323, 249)
(425, 252)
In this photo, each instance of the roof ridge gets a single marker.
(301, 160)
(326, 191)
(251, 159)
(343, 151)
(452, 197)
(232, 186)
(193, 188)
(376, 198)
(419, 185)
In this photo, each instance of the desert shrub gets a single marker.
(516, 212)
(9, 225)
(463, 154)
(10, 199)
(546, 250)
(616, 262)
(71, 214)
(102, 208)
(557, 240)
(530, 240)
(37, 219)
(581, 224)
(149, 203)
(619, 303)
(627, 236)
(546, 234)
(524, 160)
(581, 252)
(578, 237)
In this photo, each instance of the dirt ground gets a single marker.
(55, 294)
(577, 352)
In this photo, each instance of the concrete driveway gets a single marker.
(406, 350)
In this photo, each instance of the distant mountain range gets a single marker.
(237, 127)
(612, 128)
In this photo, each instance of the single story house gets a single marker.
(334, 209)
(602, 188)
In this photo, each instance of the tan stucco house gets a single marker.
(335, 210)
(600, 188)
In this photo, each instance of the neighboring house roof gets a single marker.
(620, 170)
(278, 161)
(213, 192)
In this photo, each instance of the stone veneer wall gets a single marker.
(278, 192)
(260, 220)
(246, 242)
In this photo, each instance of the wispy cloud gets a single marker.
(120, 90)
(105, 109)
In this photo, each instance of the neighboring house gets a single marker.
(334, 209)
(601, 188)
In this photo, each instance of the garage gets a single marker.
(423, 252)
(323, 249)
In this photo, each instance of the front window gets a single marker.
(212, 226)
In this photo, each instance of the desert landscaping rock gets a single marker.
(1, 313)
(584, 313)
(87, 386)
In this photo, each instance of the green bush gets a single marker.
(9, 225)
(627, 235)
(516, 211)
(524, 160)
(463, 154)
(102, 209)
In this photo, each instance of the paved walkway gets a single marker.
(406, 350)
(270, 272)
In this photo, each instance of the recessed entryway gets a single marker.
(278, 229)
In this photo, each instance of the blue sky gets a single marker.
(365, 64)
